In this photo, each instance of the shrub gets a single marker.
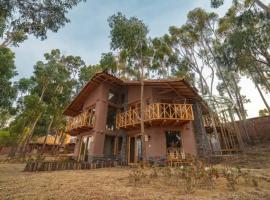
(232, 175)
(136, 176)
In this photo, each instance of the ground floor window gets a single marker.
(173, 139)
(174, 145)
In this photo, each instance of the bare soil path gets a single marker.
(113, 183)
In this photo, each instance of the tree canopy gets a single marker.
(20, 18)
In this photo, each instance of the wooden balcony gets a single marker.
(81, 123)
(156, 114)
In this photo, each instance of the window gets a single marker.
(111, 118)
(173, 139)
(113, 97)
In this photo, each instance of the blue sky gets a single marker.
(88, 33)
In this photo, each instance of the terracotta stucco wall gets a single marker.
(156, 145)
(258, 128)
(98, 97)
(189, 143)
(134, 93)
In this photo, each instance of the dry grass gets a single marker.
(113, 183)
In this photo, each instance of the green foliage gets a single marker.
(7, 89)
(127, 34)
(129, 37)
(6, 139)
(47, 93)
(86, 73)
(108, 62)
(20, 18)
(234, 175)
(216, 3)
(264, 112)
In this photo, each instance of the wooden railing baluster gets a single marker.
(155, 111)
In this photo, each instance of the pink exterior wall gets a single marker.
(189, 143)
(134, 93)
(5, 150)
(98, 97)
(156, 145)
(258, 128)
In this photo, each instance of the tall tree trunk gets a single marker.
(24, 148)
(142, 118)
(262, 77)
(259, 90)
(262, 96)
(45, 139)
(54, 143)
(242, 109)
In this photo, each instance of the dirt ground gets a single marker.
(113, 183)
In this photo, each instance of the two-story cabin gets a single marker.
(105, 117)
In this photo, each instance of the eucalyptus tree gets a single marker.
(7, 89)
(259, 3)
(246, 43)
(86, 73)
(52, 86)
(129, 38)
(245, 29)
(108, 63)
(164, 59)
(20, 18)
(194, 42)
(264, 112)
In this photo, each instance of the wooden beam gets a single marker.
(180, 96)
(165, 91)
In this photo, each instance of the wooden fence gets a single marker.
(35, 166)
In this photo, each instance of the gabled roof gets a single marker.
(179, 86)
(75, 106)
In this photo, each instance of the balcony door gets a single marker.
(134, 149)
(84, 148)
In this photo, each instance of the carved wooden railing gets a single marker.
(155, 111)
(209, 122)
(83, 121)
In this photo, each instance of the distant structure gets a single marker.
(105, 118)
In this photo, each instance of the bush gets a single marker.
(137, 176)
(6, 139)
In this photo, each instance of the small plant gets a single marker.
(249, 179)
(208, 175)
(168, 173)
(137, 175)
(188, 174)
(232, 175)
(154, 172)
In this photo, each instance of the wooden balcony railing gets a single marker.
(82, 122)
(209, 122)
(164, 112)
